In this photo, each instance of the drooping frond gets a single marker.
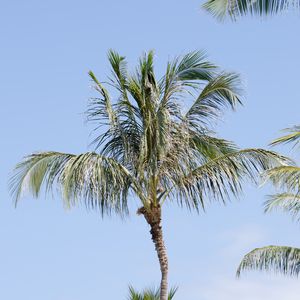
(285, 177)
(292, 137)
(286, 202)
(98, 181)
(281, 259)
(234, 9)
(221, 92)
(223, 176)
(149, 294)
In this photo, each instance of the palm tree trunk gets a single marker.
(153, 218)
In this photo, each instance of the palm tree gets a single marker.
(149, 294)
(233, 9)
(152, 148)
(282, 259)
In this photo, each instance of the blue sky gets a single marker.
(47, 48)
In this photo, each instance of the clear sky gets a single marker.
(47, 48)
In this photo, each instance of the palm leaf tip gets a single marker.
(280, 259)
(217, 8)
(293, 136)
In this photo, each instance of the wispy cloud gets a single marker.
(245, 289)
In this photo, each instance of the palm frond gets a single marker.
(234, 9)
(211, 147)
(280, 259)
(223, 176)
(149, 294)
(292, 137)
(119, 68)
(186, 71)
(194, 66)
(285, 177)
(99, 181)
(101, 109)
(220, 92)
(286, 202)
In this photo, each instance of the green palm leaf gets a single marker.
(286, 177)
(233, 9)
(221, 177)
(221, 92)
(292, 137)
(149, 294)
(100, 181)
(285, 260)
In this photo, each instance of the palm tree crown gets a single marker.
(152, 145)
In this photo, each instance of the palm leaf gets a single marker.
(99, 181)
(119, 69)
(293, 136)
(101, 108)
(220, 92)
(286, 177)
(222, 176)
(281, 259)
(211, 147)
(184, 72)
(149, 294)
(286, 202)
(233, 9)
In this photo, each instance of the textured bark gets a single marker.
(153, 218)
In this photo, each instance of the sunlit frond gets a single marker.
(234, 9)
(98, 181)
(285, 177)
(280, 259)
(223, 176)
(286, 202)
(292, 137)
